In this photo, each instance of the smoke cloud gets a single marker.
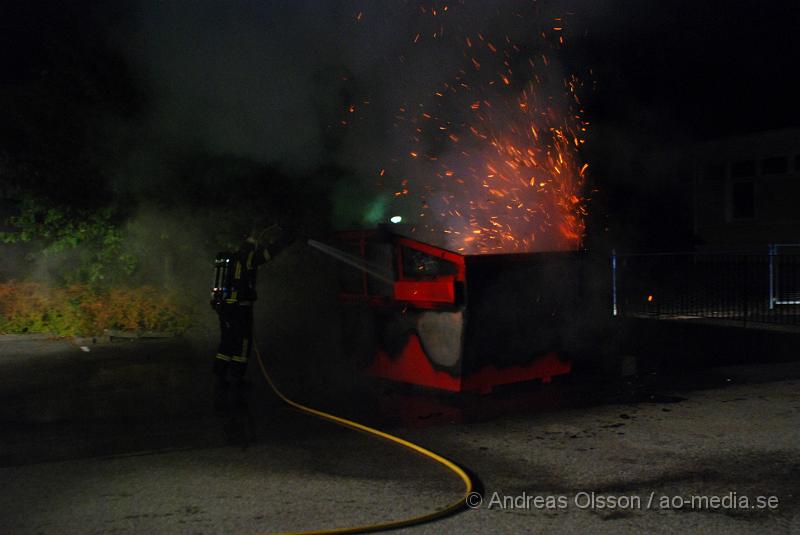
(304, 86)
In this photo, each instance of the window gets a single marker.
(419, 265)
(743, 205)
(714, 172)
(777, 165)
(746, 168)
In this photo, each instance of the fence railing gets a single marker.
(741, 287)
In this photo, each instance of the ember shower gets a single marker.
(488, 159)
(460, 117)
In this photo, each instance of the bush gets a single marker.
(28, 307)
(82, 246)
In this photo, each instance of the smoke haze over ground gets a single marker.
(195, 118)
(144, 98)
(307, 86)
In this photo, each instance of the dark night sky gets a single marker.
(709, 68)
(122, 95)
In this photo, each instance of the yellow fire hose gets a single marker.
(444, 511)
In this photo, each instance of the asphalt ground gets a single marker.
(130, 437)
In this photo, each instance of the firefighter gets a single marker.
(235, 308)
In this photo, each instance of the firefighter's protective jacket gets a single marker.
(247, 260)
(243, 285)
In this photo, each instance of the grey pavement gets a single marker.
(126, 438)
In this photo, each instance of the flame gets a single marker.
(516, 186)
(494, 157)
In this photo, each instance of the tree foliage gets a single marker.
(72, 245)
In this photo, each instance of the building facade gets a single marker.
(746, 191)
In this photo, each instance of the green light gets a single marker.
(396, 219)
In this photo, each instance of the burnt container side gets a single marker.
(522, 306)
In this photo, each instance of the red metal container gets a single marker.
(456, 322)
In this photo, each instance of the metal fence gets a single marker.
(734, 287)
